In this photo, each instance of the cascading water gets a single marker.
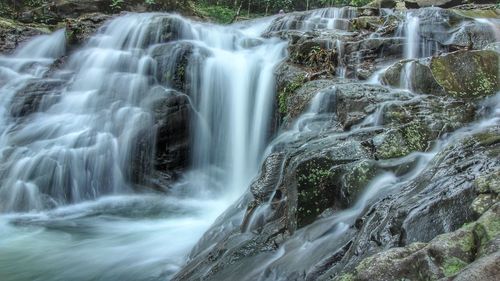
(79, 147)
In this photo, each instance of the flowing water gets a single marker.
(70, 208)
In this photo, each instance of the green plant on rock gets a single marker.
(116, 4)
(452, 266)
(290, 88)
(320, 58)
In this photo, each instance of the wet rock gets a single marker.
(36, 95)
(296, 98)
(79, 30)
(488, 188)
(402, 141)
(420, 75)
(457, 254)
(172, 119)
(472, 74)
(355, 101)
(368, 23)
(13, 33)
(415, 123)
(175, 72)
(471, 35)
(389, 4)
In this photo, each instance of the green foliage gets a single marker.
(452, 266)
(116, 4)
(296, 83)
(219, 14)
(35, 3)
(320, 58)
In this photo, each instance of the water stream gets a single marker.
(69, 207)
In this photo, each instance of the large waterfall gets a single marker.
(70, 202)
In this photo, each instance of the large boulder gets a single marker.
(172, 122)
(461, 74)
(472, 74)
(414, 73)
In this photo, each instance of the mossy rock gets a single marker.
(467, 74)
(367, 22)
(444, 257)
(477, 13)
(356, 177)
(414, 136)
(489, 183)
(315, 189)
(422, 79)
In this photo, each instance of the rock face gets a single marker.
(37, 95)
(370, 181)
(468, 74)
(13, 33)
(468, 253)
(172, 116)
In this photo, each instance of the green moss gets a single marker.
(289, 89)
(489, 183)
(415, 135)
(314, 193)
(470, 74)
(400, 142)
(356, 178)
(452, 266)
(219, 13)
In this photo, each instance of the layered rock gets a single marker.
(370, 181)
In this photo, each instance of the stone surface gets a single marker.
(467, 74)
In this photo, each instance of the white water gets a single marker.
(327, 18)
(72, 213)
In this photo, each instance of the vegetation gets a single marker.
(274, 6)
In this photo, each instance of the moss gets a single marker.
(452, 266)
(356, 178)
(289, 89)
(470, 74)
(404, 140)
(489, 183)
(314, 189)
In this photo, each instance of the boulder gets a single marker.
(420, 75)
(79, 30)
(470, 75)
(173, 60)
(172, 122)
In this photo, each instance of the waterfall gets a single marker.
(329, 18)
(67, 178)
